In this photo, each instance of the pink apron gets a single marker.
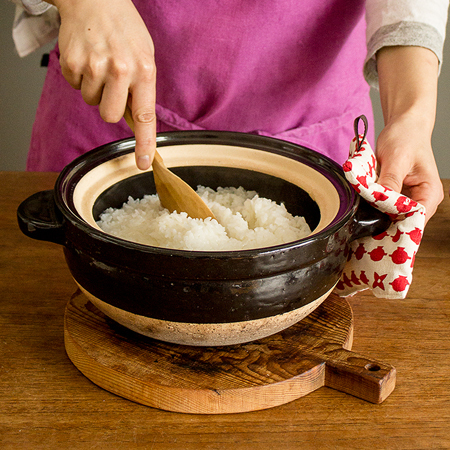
(287, 69)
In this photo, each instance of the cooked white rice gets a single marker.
(244, 221)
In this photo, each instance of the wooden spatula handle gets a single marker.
(174, 193)
(129, 118)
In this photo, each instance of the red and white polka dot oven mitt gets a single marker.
(382, 263)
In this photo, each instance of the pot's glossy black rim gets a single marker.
(73, 172)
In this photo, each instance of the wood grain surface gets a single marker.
(215, 380)
(47, 403)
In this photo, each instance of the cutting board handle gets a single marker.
(358, 375)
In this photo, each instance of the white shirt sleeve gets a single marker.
(33, 7)
(36, 23)
(403, 22)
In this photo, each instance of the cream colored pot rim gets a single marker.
(83, 180)
(110, 172)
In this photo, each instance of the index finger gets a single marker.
(143, 112)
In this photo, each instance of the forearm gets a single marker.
(408, 84)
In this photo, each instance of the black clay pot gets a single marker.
(204, 298)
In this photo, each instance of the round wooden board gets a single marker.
(246, 377)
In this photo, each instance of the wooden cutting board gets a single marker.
(211, 380)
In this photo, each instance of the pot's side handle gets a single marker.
(39, 218)
(369, 221)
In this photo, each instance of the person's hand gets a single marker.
(407, 164)
(408, 92)
(107, 53)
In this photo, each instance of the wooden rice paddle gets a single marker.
(174, 194)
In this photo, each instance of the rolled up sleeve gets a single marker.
(404, 23)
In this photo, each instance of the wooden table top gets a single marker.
(46, 403)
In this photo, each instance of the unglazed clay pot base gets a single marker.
(205, 334)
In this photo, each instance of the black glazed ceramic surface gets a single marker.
(203, 287)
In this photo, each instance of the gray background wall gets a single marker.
(21, 82)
